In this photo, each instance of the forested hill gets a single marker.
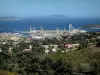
(91, 26)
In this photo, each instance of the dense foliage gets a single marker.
(37, 62)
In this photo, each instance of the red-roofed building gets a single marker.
(68, 45)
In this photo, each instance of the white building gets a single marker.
(72, 30)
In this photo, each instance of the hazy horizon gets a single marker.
(34, 8)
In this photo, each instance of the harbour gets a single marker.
(51, 33)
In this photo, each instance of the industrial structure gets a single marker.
(41, 34)
(53, 33)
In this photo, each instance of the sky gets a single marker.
(31, 8)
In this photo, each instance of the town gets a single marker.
(46, 51)
(44, 35)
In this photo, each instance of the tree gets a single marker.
(63, 67)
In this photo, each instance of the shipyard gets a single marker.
(38, 34)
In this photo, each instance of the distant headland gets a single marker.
(9, 18)
(91, 26)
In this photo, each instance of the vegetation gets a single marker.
(3, 72)
(85, 60)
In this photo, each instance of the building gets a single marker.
(70, 28)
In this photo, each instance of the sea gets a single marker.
(46, 24)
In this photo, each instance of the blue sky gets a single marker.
(31, 8)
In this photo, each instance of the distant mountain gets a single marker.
(58, 16)
(53, 17)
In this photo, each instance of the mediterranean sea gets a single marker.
(46, 24)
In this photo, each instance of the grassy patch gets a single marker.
(79, 56)
(3, 72)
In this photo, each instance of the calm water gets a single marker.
(19, 25)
